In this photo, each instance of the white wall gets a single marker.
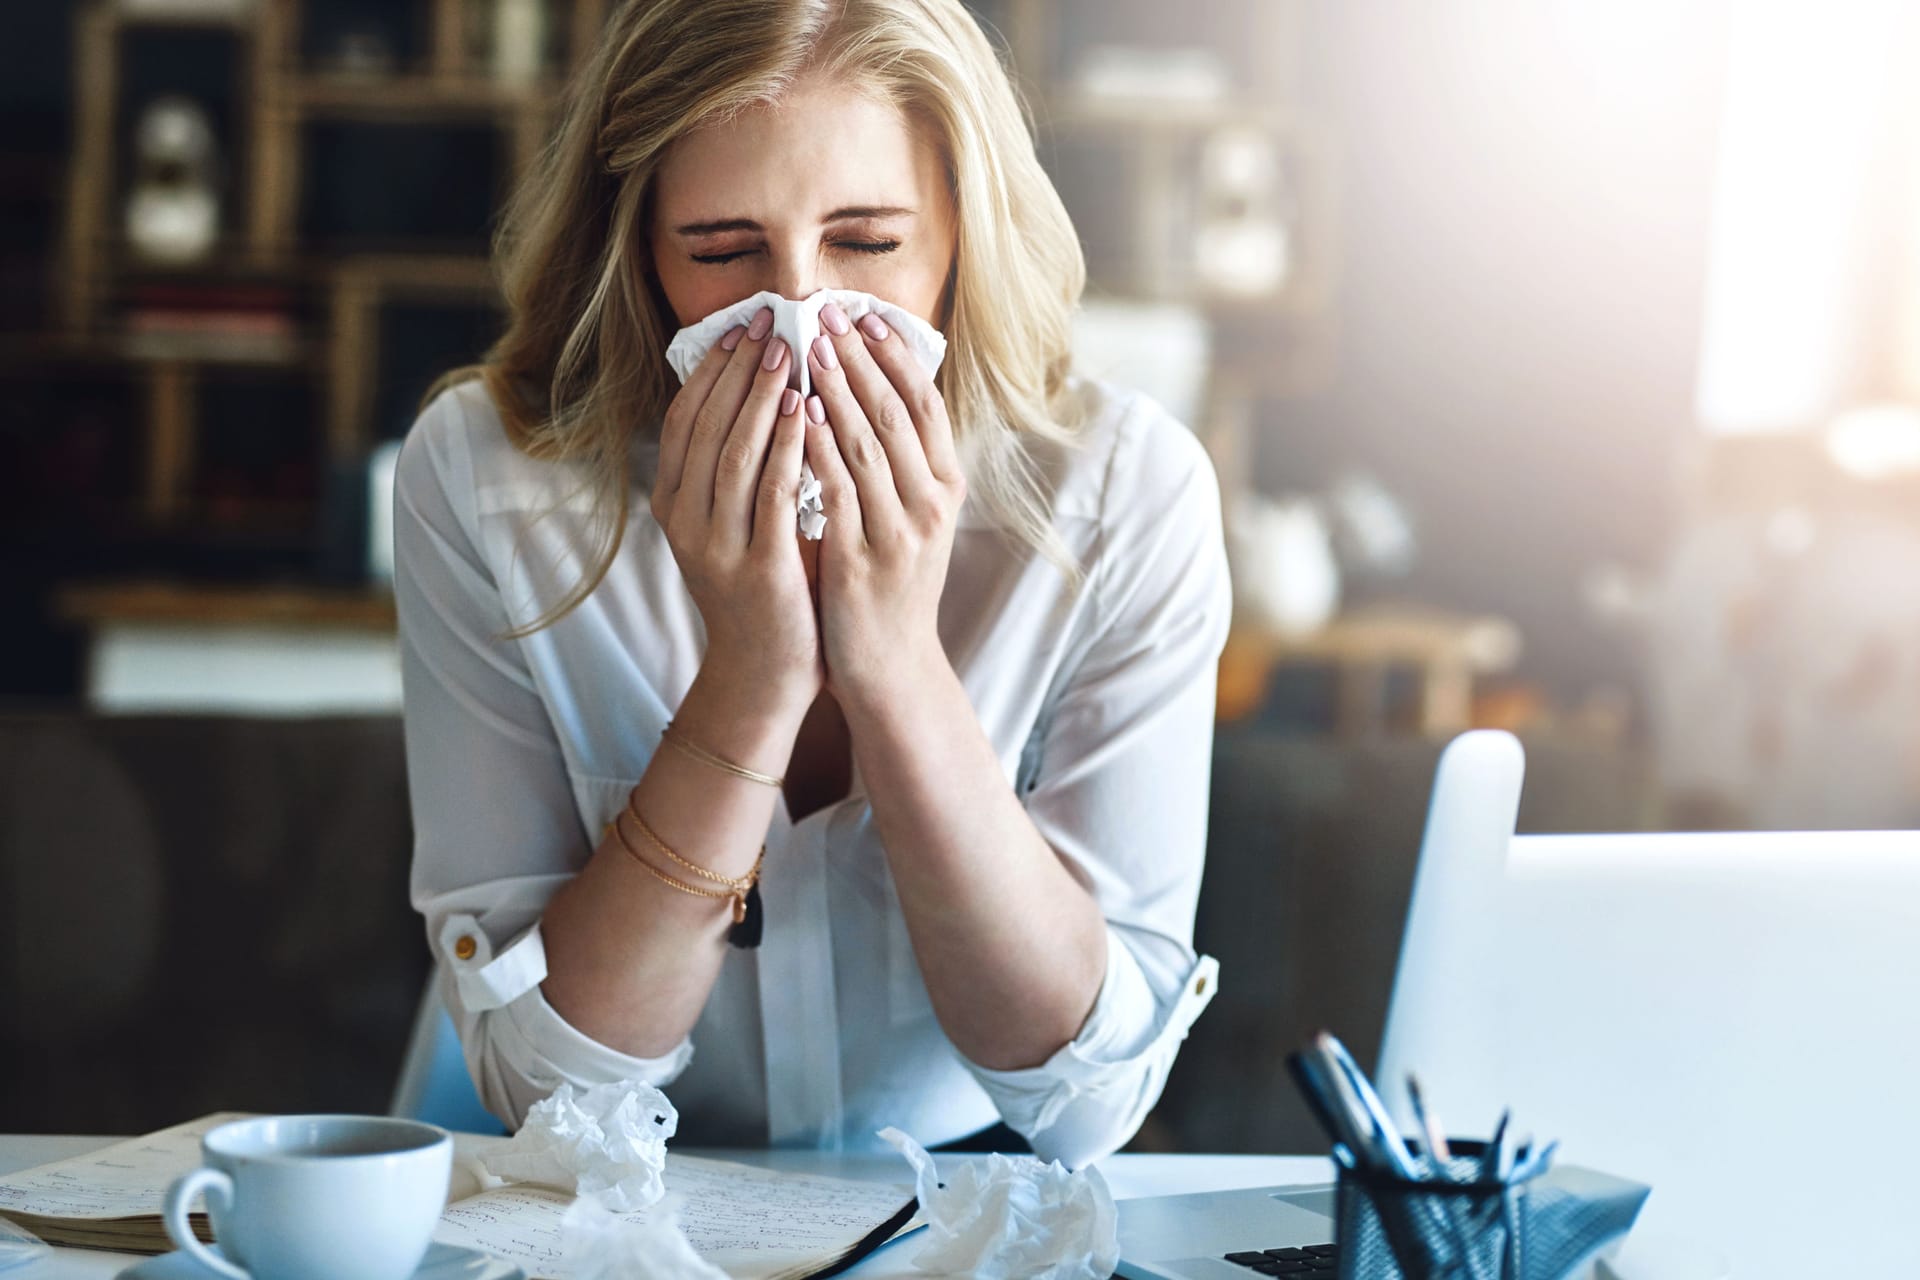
(1528, 185)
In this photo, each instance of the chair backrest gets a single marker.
(1731, 1018)
(434, 1083)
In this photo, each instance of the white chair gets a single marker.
(434, 1084)
(1731, 1018)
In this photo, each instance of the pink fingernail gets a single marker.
(824, 353)
(874, 327)
(816, 410)
(776, 353)
(789, 401)
(762, 322)
(732, 338)
(835, 318)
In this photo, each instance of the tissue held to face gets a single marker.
(826, 189)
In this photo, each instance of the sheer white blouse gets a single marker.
(520, 751)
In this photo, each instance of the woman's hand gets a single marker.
(879, 439)
(725, 492)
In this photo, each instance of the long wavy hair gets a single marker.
(581, 366)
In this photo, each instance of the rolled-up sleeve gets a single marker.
(496, 830)
(1120, 791)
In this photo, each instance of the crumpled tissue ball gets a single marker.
(599, 1245)
(1013, 1218)
(608, 1142)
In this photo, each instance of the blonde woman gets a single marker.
(951, 760)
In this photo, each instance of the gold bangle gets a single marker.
(740, 884)
(708, 758)
(739, 897)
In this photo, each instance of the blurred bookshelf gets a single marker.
(207, 420)
(202, 417)
(1187, 150)
(332, 118)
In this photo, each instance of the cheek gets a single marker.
(693, 295)
(913, 283)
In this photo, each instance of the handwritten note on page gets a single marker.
(753, 1224)
(126, 1180)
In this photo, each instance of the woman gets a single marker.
(955, 754)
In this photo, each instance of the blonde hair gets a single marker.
(582, 364)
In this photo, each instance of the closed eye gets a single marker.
(858, 246)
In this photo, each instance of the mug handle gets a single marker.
(180, 1198)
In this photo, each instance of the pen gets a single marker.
(1363, 1136)
(1491, 1161)
(1536, 1163)
(1522, 1153)
(1347, 1071)
(1309, 1074)
(1439, 1154)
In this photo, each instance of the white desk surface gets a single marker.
(1128, 1175)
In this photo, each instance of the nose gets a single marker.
(794, 282)
(796, 270)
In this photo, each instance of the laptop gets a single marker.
(1729, 1017)
(1226, 1235)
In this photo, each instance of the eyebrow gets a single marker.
(838, 215)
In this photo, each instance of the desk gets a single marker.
(1128, 1175)
(253, 651)
(1447, 652)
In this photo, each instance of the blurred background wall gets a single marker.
(1558, 359)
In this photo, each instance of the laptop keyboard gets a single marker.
(1309, 1262)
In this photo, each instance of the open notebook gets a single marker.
(751, 1223)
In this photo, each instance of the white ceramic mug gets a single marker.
(316, 1197)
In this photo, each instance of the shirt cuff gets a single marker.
(484, 980)
(1113, 1046)
(553, 1042)
(528, 1032)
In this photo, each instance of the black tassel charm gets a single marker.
(746, 919)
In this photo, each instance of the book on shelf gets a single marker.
(752, 1223)
(188, 10)
(164, 320)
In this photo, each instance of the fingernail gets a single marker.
(776, 352)
(835, 318)
(732, 338)
(789, 401)
(823, 352)
(874, 327)
(816, 410)
(762, 322)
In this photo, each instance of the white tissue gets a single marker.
(608, 1142)
(799, 323)
(1005, 1217)
(599, 1245)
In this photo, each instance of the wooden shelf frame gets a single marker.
(1162, 134)
(1299, 323)
(276, 94)
(85, 233)
(361, 286)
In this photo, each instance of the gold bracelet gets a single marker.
(739, 884)
(738, 895)
(708, 758)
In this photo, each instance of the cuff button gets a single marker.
(1199, 984)
(465, 946)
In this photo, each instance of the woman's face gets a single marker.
(826, 190)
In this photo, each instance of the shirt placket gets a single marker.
(799, 1013)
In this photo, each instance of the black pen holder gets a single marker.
(1391, 1228)
(1542, 1227)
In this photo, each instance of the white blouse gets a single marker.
(519, 752)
